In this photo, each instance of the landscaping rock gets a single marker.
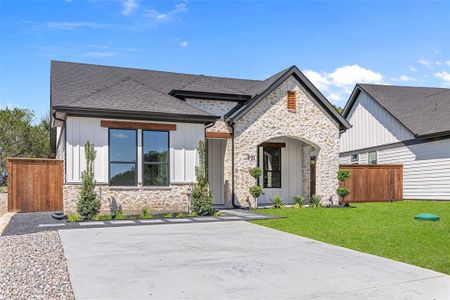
(33, 266)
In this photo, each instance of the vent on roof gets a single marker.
(292, 100)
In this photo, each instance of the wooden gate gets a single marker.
(374, 183)
(35, 184)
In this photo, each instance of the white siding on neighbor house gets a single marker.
(291, 172)
(183, 149)
(426, 168)
(372, 126)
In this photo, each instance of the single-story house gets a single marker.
(146, 127)
(402, 125)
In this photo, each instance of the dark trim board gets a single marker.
(134, 115)
(209, 96)
(218, 135)
(395, 145)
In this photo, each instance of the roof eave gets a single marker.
(135, 115)
(182, 94)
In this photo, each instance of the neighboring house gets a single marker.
(402, 125)
(146, 126)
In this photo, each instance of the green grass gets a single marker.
(383, 229)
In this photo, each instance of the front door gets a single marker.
(216, 154)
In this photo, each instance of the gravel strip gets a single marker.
(33, 266)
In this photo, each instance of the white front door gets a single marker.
(216, 154)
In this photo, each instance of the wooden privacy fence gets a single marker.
(374, 183)
(35, 184)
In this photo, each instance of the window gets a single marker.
(122, 157)
(372, 158)
(272, 167)
(155, 157)
(292, 100)
(354, 158)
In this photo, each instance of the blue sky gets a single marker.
(335, 43)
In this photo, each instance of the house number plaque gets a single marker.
(250, 157)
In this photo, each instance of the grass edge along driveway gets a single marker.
(384, 229)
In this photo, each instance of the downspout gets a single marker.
(233, 198)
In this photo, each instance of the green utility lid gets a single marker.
(427, 217)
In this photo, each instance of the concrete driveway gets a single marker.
(233, 260)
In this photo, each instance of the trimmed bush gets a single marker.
(145, 213)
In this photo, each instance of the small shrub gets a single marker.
(217, 213)
(73, 218)
(256, 191)
(342, 191)
(255, 172)
(119, 215)
(277, 202)
(180, 215)
(168, 215)
(343, 175)
(298, 201)
(145, 213)
(193, 214)
(315, 201)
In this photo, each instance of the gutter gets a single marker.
(233, 197)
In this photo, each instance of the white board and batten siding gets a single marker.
(291, 176)
(372, 126)
(426, 166)
(183, 150)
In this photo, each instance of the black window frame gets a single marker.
(143, 163)
(376, 158)
(356, 160)
(272, 171)
(123, 162)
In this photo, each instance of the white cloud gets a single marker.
(412, 69)
(184, 44)
(445, 76)
(340, 83)
(350, 75)
(320, 80)
(406, 78)
(73, 25)
(166, 16)
(425, 62)
(447, 62)
(129, 6)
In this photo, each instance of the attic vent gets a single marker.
(291, 100)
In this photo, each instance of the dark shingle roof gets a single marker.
(91, 88)
(423, 110)
(77, 85)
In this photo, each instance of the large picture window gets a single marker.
(122, 157)
(272, 167)
(155, 148)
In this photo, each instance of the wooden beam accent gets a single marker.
(137, 125)
(273, 145)
(218, 135)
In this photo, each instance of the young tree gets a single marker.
(201, 197)
(89, 203)
(256, 190)
(342, 191)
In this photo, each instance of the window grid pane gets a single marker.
(122, 157)
(271, 167)
(155, 158)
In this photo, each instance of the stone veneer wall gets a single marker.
(214, 107)
(269, 119)
(3, 203)
(174, 198)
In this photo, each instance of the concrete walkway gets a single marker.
(233, 260)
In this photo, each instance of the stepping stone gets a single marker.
(178, 220)
(52, 225)
(230, 218)
(91, 223)
(151, 221)
(122, 222)
(202, 219)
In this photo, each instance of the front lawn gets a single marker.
(384, 229)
